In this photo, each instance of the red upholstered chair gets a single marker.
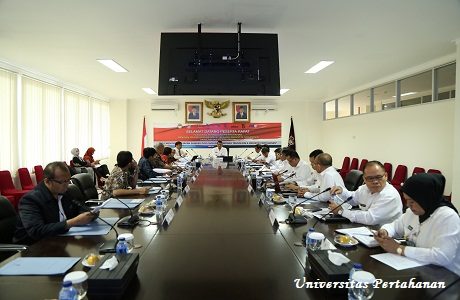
(38, 173)
(345, 166)
(354, 164)
(418, 170)
(398, 180)
(434, 171)
(7, 188)
(362, 164)
(24, 178)
(389, 169)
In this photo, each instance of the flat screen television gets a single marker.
(209, 64)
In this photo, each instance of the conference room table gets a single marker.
(220, 245)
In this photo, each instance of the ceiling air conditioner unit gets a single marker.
(265, 107)
(164, 105)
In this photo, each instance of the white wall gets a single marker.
(118, 130)
(419, 135)
(306, 117)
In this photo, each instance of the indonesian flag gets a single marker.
(291, 141)
(144, 137)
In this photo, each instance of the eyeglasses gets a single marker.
(68, 181)
(374, 178)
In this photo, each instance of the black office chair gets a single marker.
(353, 180)
(8, 219)
(76, 193)
(85, 183)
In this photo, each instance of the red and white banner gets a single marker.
(233, 135)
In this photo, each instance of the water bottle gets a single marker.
(122, 246)
(309, 240)
(159, 210)
(67, 291)
(356, 267)
(179, 182)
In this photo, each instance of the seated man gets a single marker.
(123, 180)
(313, 184)
(430, 225)
(48, 209)
(379, 201)
(218, 150)
(278, 163)
(268, 157)
(257, 153)
(145, 164)
(285, 168)
(328, 178)
(157, 161)
(179, 152)
(301, 173)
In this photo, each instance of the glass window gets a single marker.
(330, 110)
(343, 108)
(445, 82)
(384, 97)
(362, 102)
(416, 89)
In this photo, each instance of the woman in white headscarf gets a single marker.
(79, 163)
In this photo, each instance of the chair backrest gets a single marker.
(25, 179)
(434, 171)
(345, 167)
(389, 169)
(76, 193)
(362, 164)
(418, 170)
(8, 219)
(400, 175)
(85, 183)
(354, 164)
(6, 182)
(353, 180)
(38, 173)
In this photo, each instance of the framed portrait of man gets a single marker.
(193, 112)
(242, 112)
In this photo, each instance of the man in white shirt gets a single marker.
(179, 152)
(313, 185)
(219, 150)
(268, 156)
(328, 177)
(278, 164)
(301, 172)
(379, 201)
(257, 153)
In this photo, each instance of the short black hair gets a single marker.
(50, 169)
(286, 150)
(278, 150)
(167, 151)
(178, 143)
(374, 163)
(258, 146)
(265, 149)
(293, 154)
(219, 141)
(148, 151)
(315, 153)
(124, 158)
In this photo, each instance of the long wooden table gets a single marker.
(220, 245)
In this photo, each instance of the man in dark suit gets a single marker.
(241, 115)
(194, 115)
(48, 209)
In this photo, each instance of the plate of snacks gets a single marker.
(345, 240)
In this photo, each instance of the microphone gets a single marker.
(249, 154)
(282, 172)
(194, 151)
(293, 174)
(129, 221)
(108, 246)
(293, 219)
(257, 157)
(243, 152)
(338, 206)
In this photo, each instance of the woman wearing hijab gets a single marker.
(101, 171)
(431, 225)
(78, 162)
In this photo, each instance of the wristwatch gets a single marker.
(399, 250)
(340, 212)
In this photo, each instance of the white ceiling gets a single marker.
(368, 39)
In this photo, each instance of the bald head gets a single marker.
(323, 161)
